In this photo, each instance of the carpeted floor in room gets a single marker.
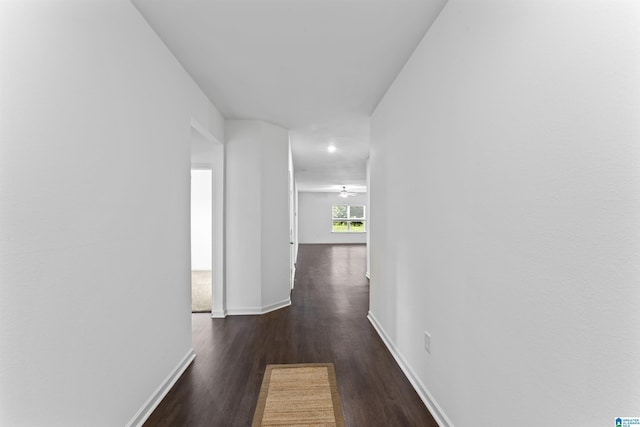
(201, 291)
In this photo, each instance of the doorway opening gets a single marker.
(207, 158)
(201, 244)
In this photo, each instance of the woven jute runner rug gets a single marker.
(299, 395)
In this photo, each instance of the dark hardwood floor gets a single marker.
(326, 323)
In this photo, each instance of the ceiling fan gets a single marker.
(344, 193)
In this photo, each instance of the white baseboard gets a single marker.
(276, 306)
(252, 311)
(154, 400)
(431, 404)
(218, 314)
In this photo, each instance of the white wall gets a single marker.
(275, 216)
(293, 217)
(94, 212)
(315, 218)
(513, 133)
(201, 220)
(256, 155)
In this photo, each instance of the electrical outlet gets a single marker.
(427, 342)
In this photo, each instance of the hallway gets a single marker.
(326, 323)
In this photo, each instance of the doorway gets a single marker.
(207, 154)
(201, 244)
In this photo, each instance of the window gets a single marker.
(348, 219)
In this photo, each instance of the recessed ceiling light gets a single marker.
(331, 148)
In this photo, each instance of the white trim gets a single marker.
(276, 306)
(154, 400)
(218, 314)
(367, 275)
(202, 166)
(203, 131)
(252, 311)
(244, 311)
(427, 398)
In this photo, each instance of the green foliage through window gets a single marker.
(340, 211)
(348, 219)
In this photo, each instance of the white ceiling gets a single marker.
(317, 67)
